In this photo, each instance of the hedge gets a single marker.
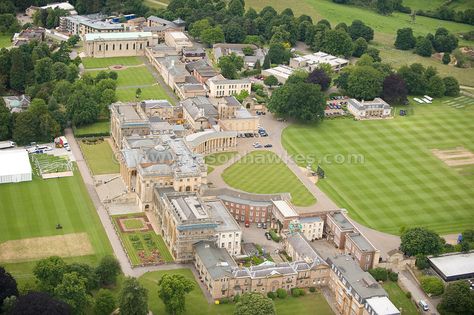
(281, 293)
(275, 236)
(432, 285)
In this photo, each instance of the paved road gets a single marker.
(405, 279)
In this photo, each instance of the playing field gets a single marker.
(385, 172)
(100, 158)
(33, 209)
(94, 63)
(155, 92)
(385, 27)
(263, 172)
(132, 77)
(196, 304)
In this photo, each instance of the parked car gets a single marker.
(259, 225)
(268, 236)
(247, 224)
(264, 225)
(268, 145)
(258, 146)
(423, 305)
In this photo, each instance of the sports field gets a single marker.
(100, 158)
(385, 27)
(155, 92)
(196, 304)
(263, 172)
(94, 63)
(386, 173)
(135, 76)
(29, 210)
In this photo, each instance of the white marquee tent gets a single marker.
(14, 166)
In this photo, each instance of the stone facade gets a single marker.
(103, 45)
(222, 87)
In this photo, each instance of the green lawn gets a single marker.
(155, 92)
(156, 4)
(384, 172)
(93, 63)
(136, 76)
(432, 5)
(99, 127)
(100, 158)
(385, 27)
(221, 158)
(398, 297)
(263, 172)
(32, 209)
(133, 224)
(141, 241)
(196, 304)
(5, 41)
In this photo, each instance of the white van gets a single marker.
(423, 305)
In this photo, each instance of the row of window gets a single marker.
(120, 46)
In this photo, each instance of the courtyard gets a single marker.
(263, 172)
(385, 172)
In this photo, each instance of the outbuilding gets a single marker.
(452, 267)
(14, 166)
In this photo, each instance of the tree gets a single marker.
(44, 70)
(394, 89)
(73, 73)
(49, 272)
(8, 285)
(172, 290)
(133, 298)
(420, 240)
(365, 83)
(281, 293)
(266, 62)
(104, 302)
(360, 47)
(337, 42)
(5, 121)
(452, 88)
(414, 78)
(34, 303)
(230, 65)
(444, 41)
(446, 58)
(271, 81)
(432, 285)
(212, 36)
(423, 47)
(405, 39)
(236, 8)
(301, 101)
(277, 53)
(436, 86)
(72, 290)
(86, 272)
(385, 7)
(23, 132)
(198, 27)
(379, 274)
(421, 262)
(254, 304)
(73, 40)
(457, 299)
(108, 270)
(233, 32)
(60, 71)
(319, 76)
(17, 71)
(359, 29)
(374, 53)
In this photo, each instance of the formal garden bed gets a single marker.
(142, 245)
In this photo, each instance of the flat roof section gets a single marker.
(382, 306)
(285, 209)
(117, 36)
(454, 265)
(14, 162)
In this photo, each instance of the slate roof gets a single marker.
(216, 260)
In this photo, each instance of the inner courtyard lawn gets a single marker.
(217, 159)
(384, 172)
(33, 209)
(155, 92)
(94, 63)
(196, 304)
(135, 76)
(263, 172)
(100, 157)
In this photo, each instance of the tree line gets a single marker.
(58, 95)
